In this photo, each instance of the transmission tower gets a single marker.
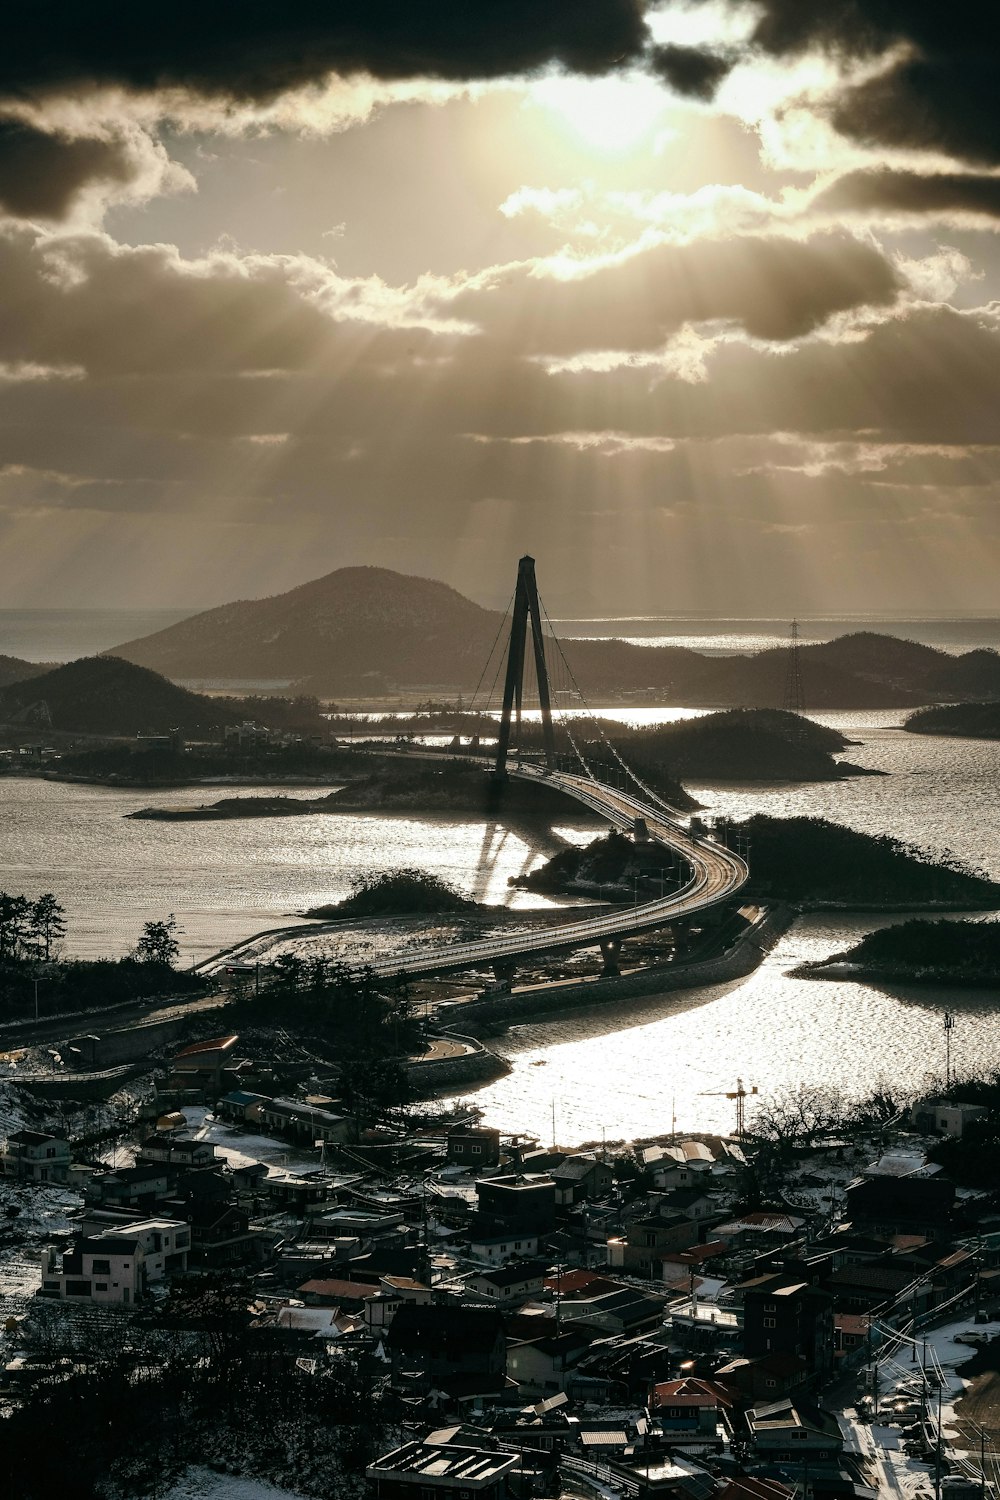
(794, 702)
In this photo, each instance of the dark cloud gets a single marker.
(41, 175)
(691, 71)
(257, 49)
(943, 94)
(911, 193)
(82, 300)
(776, 289)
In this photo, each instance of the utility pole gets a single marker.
(949, 1026)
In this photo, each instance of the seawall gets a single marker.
(474, 1064)
(486, 1017)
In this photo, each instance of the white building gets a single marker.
(118, 1264)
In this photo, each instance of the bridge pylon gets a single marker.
(526, 613)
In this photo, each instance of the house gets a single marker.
(788, 1430)
(419, 1471)
(441, 1343)
(695, 1260)
(118, 1264)
(781, 1318)
(333, 1292)
(509, 1284)
(679, 1165)
(175, 1151)
(32, 1156)
(544, 1365)
(312, 1322)
(473, 1146)
(296, 1190)
(523, 1202)
(579, 1283)
(204, 1064)
(766, 1378)
(240, 1107)
(304, 1121)
(947, 1118)
(690, 1408)
(901, 1205)
(759, 1230)
(499, 1247)
(629, 1364)
(128, 1187)
(693, 1202)
(579, 1178)
(750, 1487)
(221, 1233)
(650, 1238)
(851, 1338)
(624, 1311)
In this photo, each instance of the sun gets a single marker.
(612, 114)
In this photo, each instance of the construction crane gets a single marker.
(741, 1094)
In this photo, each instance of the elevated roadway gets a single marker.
(716, 875)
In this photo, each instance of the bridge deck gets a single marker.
(716, 875)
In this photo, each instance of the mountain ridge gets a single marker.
(362, 631)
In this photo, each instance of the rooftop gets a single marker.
(474, 1467)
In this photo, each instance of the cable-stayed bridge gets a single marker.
(714, 873)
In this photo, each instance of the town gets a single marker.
(776, 1313)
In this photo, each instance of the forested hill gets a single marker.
(107, 696)
(364, 631)
(13, 669)
(972, 721)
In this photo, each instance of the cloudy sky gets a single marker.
(698, 302)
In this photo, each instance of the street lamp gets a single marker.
(41, 973)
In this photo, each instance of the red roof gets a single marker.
(745, 1488)
(575, 1281)
(696, 1254)
(351, 1291)
(213, 1044)
(690, 1392)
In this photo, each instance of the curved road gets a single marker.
(716, 875)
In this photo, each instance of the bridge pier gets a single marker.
(682, 937)
(611, 952)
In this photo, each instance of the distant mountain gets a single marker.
(367, 631)
(13, 669)
(105, 695)
(352, 626)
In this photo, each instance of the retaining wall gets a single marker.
(485, 1017)
(479, 1065)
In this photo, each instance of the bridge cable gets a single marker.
(647, 790)
(486, 664)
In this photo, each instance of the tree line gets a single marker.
(32, 930)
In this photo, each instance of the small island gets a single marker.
(238, 807)
(398, 893)
(804, 862)
(970, 721)
(420, 786)
(919, 952)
